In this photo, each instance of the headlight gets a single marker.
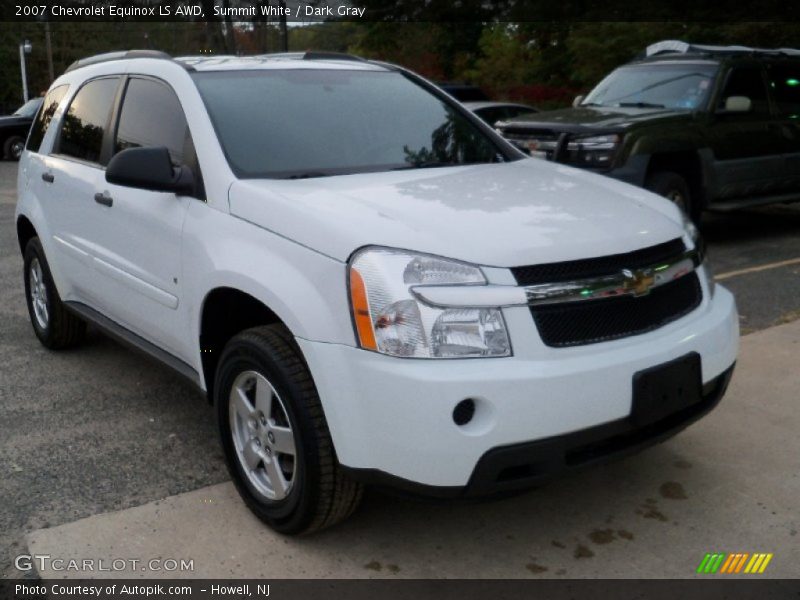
(699, 244)
(593, 151)
(390, 319)
(691, 229)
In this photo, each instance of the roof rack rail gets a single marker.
(120, 55)
(314, 55)
(679, 47)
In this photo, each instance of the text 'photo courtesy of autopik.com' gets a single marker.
(423, 299)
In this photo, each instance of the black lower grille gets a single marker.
(592, 321)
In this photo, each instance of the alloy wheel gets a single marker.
(262, 436)
(38, 292)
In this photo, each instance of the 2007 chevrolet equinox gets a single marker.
(371, 285)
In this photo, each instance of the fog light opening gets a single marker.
(463, 412)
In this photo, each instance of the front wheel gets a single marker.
(276, 441)
(674, 187)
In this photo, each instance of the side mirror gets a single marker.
(578, 99)
(149, 169)
(737, 104)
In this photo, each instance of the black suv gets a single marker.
(706, 126)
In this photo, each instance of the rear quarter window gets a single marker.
(45, 116)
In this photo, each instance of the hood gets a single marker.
(510, 214)
(593, 118)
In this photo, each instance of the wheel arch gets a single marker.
(25, 232)
(225, 312)
(686, 163)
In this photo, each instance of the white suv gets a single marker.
(370, 284)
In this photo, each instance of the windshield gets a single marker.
(29, 108)
(294, 123)
(674, 86)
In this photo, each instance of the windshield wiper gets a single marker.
(308, 175)
(639, 105)
(427, 164)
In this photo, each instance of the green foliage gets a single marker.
(504, 59)
(600, 47)
(543, 62)
(333, 37)
(71, 41)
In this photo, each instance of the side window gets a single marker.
(86, 120)
(45, 115)
(152, 116)
(784, 79)
(747, 81)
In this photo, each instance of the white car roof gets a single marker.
(294, 60)
(289, 60)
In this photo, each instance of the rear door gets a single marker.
(70, 175)
(36, 181)
(747, 147)
(784, 83)
(139, 236)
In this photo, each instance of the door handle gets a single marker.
(48, 177)
(103, 199)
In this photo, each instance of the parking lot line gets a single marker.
(756, 269)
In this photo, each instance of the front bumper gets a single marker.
(391, 418)
(520, 466)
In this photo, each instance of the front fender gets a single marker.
(665, 138)
(305, 289)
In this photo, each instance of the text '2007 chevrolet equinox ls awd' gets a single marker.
(371, 285)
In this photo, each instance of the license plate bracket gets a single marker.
(666, 389)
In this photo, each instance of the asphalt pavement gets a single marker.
(101, 429)
(728, 484)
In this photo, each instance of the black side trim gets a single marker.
(509, 469)
(134, 341)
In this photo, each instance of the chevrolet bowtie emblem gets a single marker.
(640, 281)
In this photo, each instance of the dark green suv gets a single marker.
(708, 127)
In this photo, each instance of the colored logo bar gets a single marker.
(736, 562)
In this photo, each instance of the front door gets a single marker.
(139, 238)
(746, 146)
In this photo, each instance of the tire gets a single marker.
(54, 325)
(292, 493)
(13, 147)
(674, 187)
